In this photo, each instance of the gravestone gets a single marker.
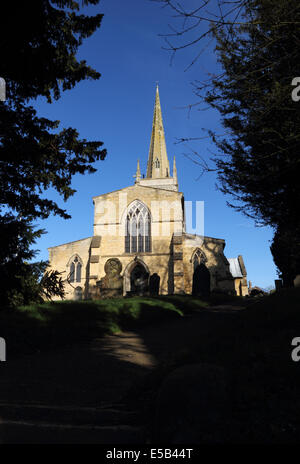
(297, 281)
(111, 285)
(154, 284)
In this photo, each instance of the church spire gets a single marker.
(158, 163)
(175, 172)
(138, 172)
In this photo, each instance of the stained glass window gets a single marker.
(198, 258)
(75, 270)
(138, 229)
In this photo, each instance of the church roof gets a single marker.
(205, 238)
(69, 243)
(234, 267)
(137, 186)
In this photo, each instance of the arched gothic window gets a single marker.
(198, 258)
(138, 229)
(78, 272)
(157, 163)
(72, 272)
(75, 270)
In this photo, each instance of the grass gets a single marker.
(53, 324)
(254, 345)
(277, 308)
(262, 330)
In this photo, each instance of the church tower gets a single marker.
(158, 167)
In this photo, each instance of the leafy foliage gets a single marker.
(285, 249)
(258, 164)
(17, 236)
(23, 282)
(42, 62)
(52, 284)
(34, 155)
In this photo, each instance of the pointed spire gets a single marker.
(175, 172)
(158, 163)
(138, 172)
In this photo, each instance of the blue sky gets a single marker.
(118, 110)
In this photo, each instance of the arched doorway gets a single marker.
(201, 280)
(201, 275)
(139, 279)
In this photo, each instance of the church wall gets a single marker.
(166, 184)
(241, 286)
(237, 284)
(60, 256)
(110, 213)
(166, 218)
(158, 263)
(217, 264)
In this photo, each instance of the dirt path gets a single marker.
(97, 376)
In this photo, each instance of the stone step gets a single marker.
(102, 416)
(20, 432)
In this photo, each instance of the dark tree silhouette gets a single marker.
(258, 49)
(39, 42)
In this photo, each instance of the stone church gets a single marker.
(140, 244)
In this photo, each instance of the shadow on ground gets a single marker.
(75, 378)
